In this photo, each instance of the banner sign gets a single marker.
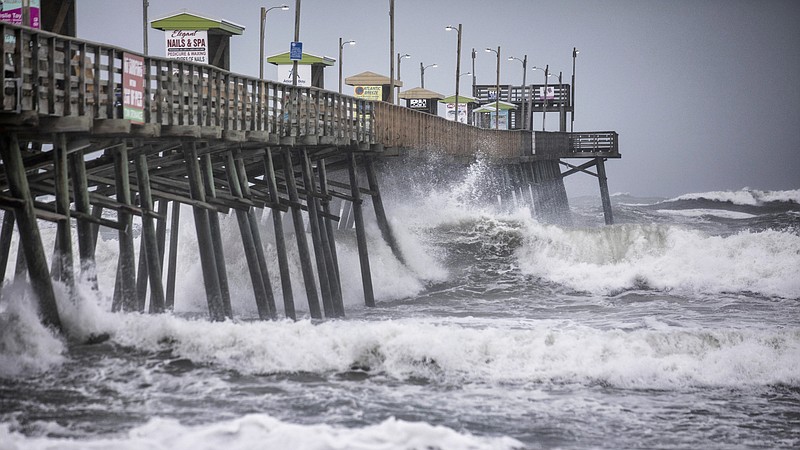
(551, 93)
(418, 103)
(462, 112)
(303, 74)
(369, 92)
(11, 12)
(187, 45)
(133, 88)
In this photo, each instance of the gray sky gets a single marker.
(704, 93)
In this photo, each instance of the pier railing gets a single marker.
(45, 75)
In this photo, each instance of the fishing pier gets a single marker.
(222, 143)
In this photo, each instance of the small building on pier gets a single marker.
(310, 69)
(194, 37)
(420, 99)
(372, 86)
(484, 117)
(465, 107)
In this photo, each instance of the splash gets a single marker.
(664, 257)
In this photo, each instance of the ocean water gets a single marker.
(678, 327)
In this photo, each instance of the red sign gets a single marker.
(133, 87)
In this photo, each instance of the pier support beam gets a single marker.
(280, 241)
(336, 282)
(216, 307)
(86, 240)
(604, 197)
(216, 234)
(380, 212)
(125, 288)
(260, 290)
(300, 234)
(361, 235)
(64, 228)
(320, 239)
(169, 300)
(149, 237)
(30, 238)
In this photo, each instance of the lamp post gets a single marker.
(547, 74)
(497, 89)
(400, 58)
(264, 12)
(341, 46)
(524, 62)
(458, 64)
(422, 73)
(572, 116)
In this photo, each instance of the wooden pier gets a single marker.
(220, 143)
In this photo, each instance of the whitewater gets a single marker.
(678, 327)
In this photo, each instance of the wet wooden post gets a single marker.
(149, 235)
(280, 241)
(141, 274)
(257, 242)
(161, 231)
(169, 301)
(604, 197)
(361, 236)
(20, 266)
(64, 227)
(86, 240)
(337, 281)
(216, 234)
(216, 307)
(6, 235)
(28, 229)
(97, 213)
(300, 234)
(259, 290)
(380, 212)
(125, 289)
(316, 236)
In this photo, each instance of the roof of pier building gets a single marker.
(461, 99)
(308, 59)
(419, 92)
(185, 20)
(370, 79)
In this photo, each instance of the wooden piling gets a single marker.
(216, 307)
(380, 212)
(169, 300)
(259, 290)
(280, 241)
(30, 238)
(300, 234)
(125, 292)
(64, 227)
(6, 233)
(336, 283)
(604, 196)
(361, 235)
(86, 240)
(258, 243)
(216, 233)
(149, 235)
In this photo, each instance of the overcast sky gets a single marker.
(705, 94)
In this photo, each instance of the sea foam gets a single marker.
(664, 257)
(263, 431)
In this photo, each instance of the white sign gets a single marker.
(551, 93)
(187, 45)
(462, 112)
(303, 74)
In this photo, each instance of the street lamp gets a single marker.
(400, 58)
(422, 73)
(572, 117)
(547, 74)
(524, 62)
(497, 89)
(264, 12)
(341, 46)
(458, 63)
